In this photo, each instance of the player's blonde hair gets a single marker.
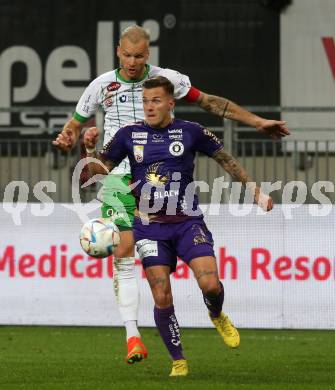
(135, 33)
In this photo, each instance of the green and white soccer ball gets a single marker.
(99, 236)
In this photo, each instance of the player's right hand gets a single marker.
(274, 129)
(91, 137)
(65, 140)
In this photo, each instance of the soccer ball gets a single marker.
(98, 237)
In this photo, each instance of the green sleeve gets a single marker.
(80, 118)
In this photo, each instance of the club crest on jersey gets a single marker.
(108, 102)
(114, 86)
(138, 152)
(176, 148)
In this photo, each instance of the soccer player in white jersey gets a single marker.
(119, 93)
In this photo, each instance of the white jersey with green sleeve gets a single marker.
(121, 100)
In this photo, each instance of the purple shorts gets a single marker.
(161, 243)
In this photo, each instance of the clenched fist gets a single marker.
(91, 137)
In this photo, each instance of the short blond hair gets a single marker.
(135, 33)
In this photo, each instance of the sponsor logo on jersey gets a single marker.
(138, 153)
(116, 214)
(140, 141)
(139, 134)
(160, 194)
(176, 136)
(155, 176)
(157, 138)
(176, 148)
(165, 194)
(212, 136)
(130, 99)
(114, 86)
(175, 131)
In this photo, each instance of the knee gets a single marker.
(212, 287)
(124, 250)
(163, 299)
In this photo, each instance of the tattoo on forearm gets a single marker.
(232, 166)
(203, 273)
(225, 110)
(216, 105)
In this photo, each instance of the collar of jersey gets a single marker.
(147, 68)
(160, 128)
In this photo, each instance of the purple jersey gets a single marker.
(162, 163)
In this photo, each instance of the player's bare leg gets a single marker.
(165, 319)
(206, 273)
(127, 295)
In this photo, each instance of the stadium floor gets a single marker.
(92, 358)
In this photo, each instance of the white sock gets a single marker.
(131, 329)
(127, 293)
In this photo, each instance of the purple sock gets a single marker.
(168, 327)
(214, 302)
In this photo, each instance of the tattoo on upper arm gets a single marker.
(216, 105)
(231, 165)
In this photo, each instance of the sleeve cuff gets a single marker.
(80, 118)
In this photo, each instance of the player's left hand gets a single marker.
(273, 128)
(264, 201)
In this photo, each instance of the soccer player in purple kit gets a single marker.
(168, 223)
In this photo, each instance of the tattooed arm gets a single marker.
(227, 109)
(232, 166)
(236, 170)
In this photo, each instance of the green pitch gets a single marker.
(92, 358)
